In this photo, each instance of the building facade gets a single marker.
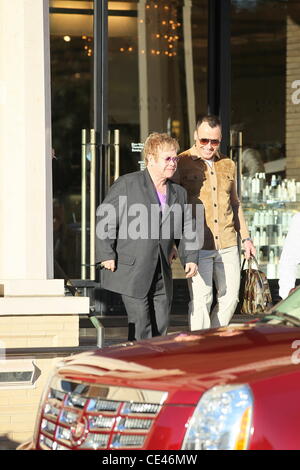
(121, 69)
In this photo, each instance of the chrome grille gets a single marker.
(75, 401)
(95, 442)
(68, 417)
(97, 423)
(127, 441)
(46, 443)
(48, 427)
(102, 405)
(135, 424)
(88, 416)
(63, 435)
(140, 408)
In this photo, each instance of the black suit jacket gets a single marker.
(132, 230)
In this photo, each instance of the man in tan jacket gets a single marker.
(210, 179)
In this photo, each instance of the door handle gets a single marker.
(92, 197)
(90, 140)
(117, 153)
(115, 145)
(93, 206)
(83, 203)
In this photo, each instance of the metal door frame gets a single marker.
(100, 93)
(219, 66)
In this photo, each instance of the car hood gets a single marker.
(195, 361)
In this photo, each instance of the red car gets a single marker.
(228, 388)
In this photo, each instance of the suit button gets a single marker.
(211, 172)
(215, 205)
(214, 189)
(217, 237)
(216, 221)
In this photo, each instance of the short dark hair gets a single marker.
(211, 119)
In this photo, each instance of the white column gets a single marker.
(26, 240)
(34, 312)
(25, 141)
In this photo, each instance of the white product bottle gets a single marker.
(263, 238)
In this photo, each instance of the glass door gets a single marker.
(157, 72)
(258, 80)
(71, 47)
(155, 53)
(265, 116)
(157, 76)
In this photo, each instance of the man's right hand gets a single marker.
(109, 264)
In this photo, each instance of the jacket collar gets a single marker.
(149, 187)
(195, 154)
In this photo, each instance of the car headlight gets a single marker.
(222, 420)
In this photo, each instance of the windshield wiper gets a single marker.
(284, 316)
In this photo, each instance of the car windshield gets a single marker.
(287, 310)
(290, 305)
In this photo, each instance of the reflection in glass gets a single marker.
(71, 44)
(157, 71)
(258, 46)
(157, 74)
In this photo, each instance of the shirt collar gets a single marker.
(195, 155)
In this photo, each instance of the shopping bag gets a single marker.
(254, 295)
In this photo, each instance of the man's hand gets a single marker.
(191, 269)
(249, 249)
(173, 255)
(109, 264)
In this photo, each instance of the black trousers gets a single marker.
(149, 316)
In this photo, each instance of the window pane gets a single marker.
(258, 45)
(157, 71)
(71, 47)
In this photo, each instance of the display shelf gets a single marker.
(268, 223)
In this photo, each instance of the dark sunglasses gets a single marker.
(213, 142)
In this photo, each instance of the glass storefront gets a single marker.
(258, 76)
(157, 71)
(265, 68)
(157, 81)
(71, 48)
(157, 78)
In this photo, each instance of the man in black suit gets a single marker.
(140, 224)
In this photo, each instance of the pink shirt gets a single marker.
(162, 199)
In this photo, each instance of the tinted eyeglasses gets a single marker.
(213, 142)
(173, 159)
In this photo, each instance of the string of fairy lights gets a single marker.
(163, 31)
(164, 27)
(88, 41)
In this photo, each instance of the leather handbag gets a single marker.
(254, 295)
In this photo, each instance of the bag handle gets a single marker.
(250, 260)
